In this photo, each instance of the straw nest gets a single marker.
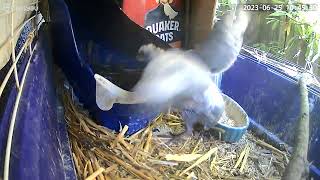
(102, 154)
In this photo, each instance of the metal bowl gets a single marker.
(236, 121)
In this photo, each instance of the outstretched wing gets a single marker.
(108, 93)
(224, 43)
(170, 75)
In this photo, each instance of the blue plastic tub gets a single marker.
(89, 36)
(40, 146)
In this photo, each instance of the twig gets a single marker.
(109, 169)
(120, 136)
(148, 142)
(245, 158)
(241, 157)
(165, 163)
(85, 127)
(76, 162)
(214, 161)
(90, 167)
(196, 147)
(268, 146)
(135, 135)
(85, 171)
(125, 165)
(200, 160)
(95, 174)
(97, 167)
(298, 166)
(77, 150)
(182, 157)
(172, 116)
(125, 144)
(128, 156)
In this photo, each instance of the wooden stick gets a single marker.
(182, 157)
(125, 144)
(90, 167)
(106, 177)
(97, 167)
(98, 127)
(200, 160)
(148, 142)
(298, 166)
(128, 156)
(197, 145)
(85, 171)
(214, 161)
(245, 158)
(233, 178)
(111, 168)
(76, 163)
(114, 174)
(164, 163)
(135, 135)
(125, 165)
(85, 127)
(120, 136)
(268, 146)
(95, 174)
(172, 116)
(107, 171)
(241, 157)
(77, 150)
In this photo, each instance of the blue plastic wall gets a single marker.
(40, 147)
(271, 100)
(116, 40)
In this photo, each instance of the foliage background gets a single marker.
(291, 34)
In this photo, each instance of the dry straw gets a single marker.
(101, 154)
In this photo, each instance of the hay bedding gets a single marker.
(99, 153)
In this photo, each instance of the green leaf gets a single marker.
(288, 28)
(274, 25)
(289, 15)
(309, 30)
(310, 45)
(291, 42)
(278, 1)
(278, 14)
(292, 39)
(303, 30)
(299, 29)
(271, 21)
(271, 18)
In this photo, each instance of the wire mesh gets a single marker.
(285, 66)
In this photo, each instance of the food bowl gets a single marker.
(234, 122)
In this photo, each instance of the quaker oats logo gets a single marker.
(168, 11)
(164, 21)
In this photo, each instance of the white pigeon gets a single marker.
(184, 79)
